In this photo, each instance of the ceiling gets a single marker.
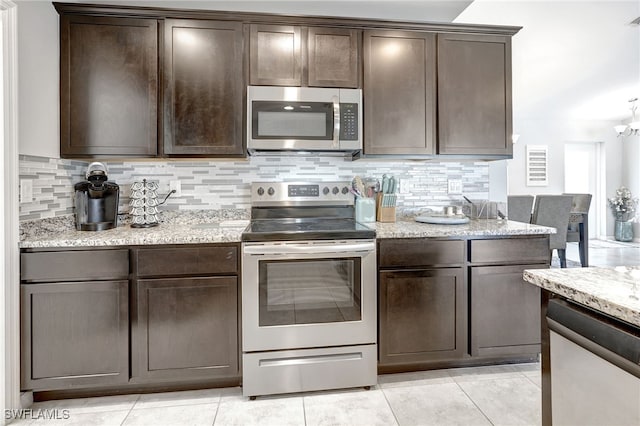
(424, 10)
(572, 59)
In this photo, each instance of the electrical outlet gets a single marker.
(454, 186)
(176, 185)
(26, 191)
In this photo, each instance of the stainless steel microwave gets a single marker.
(304, 119)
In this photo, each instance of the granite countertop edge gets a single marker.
(220, 226)
(612, 291)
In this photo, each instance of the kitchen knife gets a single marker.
(385, 184)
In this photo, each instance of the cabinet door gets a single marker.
(275, 55)
(333, 57)
(399, 92)
(108, 86)
(422, 316)
(505, 311)
(187, 328)
(474, 94)
(74, 334)
(203, 88)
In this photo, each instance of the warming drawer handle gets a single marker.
(314, 359)
(309, 249)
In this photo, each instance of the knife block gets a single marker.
(384, 214)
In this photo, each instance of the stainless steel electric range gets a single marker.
(308, 291)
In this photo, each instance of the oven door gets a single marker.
(308, 294)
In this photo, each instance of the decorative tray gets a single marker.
(442, 219)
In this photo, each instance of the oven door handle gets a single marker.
(310, 248)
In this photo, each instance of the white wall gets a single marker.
(38, 82)
(631, 173)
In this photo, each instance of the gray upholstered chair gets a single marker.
(519, 207)
(578, 230)
(554, 211)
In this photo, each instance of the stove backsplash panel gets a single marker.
(225, 184)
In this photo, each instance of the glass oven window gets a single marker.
(309, 291)
(292, 120)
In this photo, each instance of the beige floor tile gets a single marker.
(102, 418)
(231, 394)
(183, 415)
(203, 396)
(511, 401)
(488, 372)
(264, 411)
(535, 379)
(437, 404)
(364, 407)
(529, 367)
(415, 378)
(91, 405)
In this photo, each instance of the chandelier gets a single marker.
(634, 127)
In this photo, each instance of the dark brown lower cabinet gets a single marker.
(75, 334)
(185, 329)
(505, 311)
(422, 315)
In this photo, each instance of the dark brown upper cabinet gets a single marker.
(203, 88)
(474, 94)
(333, 57)
(108, 86)
(290, 55)
(399, 92)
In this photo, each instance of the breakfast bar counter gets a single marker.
(590, 329)
(612, 291)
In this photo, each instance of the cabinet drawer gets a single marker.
(186, 261)
(510, 250)
(420, 252)
(74, 265)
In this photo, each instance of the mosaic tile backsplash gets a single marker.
(224, 184)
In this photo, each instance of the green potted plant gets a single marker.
(623, 206)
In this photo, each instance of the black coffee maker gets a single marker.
(96, 200)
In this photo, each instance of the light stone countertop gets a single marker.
(613, 291)
(475, 228)
(125, 235)
(226, 226)
(188, 227)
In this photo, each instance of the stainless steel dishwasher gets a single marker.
(595, 367)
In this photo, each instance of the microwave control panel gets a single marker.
(348, 121)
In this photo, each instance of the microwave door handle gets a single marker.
(336, 122)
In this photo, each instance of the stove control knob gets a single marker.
(335, 190)
(271, 191)
(345, 190)
(325, 191)
(261, 191)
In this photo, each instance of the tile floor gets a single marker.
(491, 395)
(494, 395)
(612, 254)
